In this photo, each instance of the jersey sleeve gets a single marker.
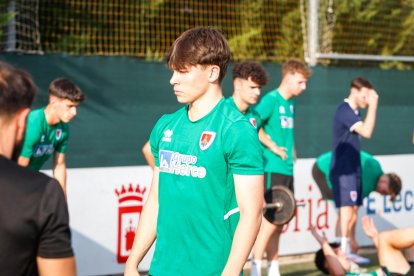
(265, 107)
(63, 145)
(242, 149)
(154, 141)
(350, 119)
(32, 136)
(55, 237)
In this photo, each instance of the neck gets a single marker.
(241, 105)
(50, 115)
(7, 138)
(204, 104)
(284, 91)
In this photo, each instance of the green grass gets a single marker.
(309, 268)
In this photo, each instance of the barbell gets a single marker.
(283, 204)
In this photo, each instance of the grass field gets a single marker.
(307, 267)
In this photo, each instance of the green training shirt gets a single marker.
(251, 115)
(42, 140)
(370, 169)
(277, 115)
(198, 210)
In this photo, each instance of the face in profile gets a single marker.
(66, 109)
(361, 97)
(248, 90)
(296, 83)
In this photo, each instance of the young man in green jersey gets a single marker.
(205, 203)
(248, 79)
(48, 129)
(277, 112)
(330, 259)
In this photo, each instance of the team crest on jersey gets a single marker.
(58, 134)
(206, 139)
(353, 195)
(281, 109)
(253, 122)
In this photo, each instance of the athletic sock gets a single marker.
(273, 269)
(256, 269)
(345, 245)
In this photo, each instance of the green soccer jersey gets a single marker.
(42, 140)
(198, 210)
(370, 169)
(277, 115)
(251, 115)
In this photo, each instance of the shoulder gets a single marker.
(230, 112)
(23, 178)
(36, 115)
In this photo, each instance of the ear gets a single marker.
(21, 123)
(214, 73)
(236, 84)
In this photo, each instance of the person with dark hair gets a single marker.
(248, 79)
(48, 129)
(345, 169)
(331, 260)
(277, 113)
(34, 220)
(205, 203)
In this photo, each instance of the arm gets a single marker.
(59, 169)
(367, 127)
(23, 161)
(249, 193)
(271, 145)
(51, 267)
(146, 150)
(370, 229)
(334, 265)
(146, 231)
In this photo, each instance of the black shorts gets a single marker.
(273, 179)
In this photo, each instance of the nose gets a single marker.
(257, 91)
(74, 111)
(174, 78)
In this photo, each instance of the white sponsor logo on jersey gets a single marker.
(281, 110)
(167, 135)
(206, 139)
(286, 122)
(180, 164)
(41, 150)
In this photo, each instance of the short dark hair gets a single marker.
(320, 259)
(199, 46)
(253, 70)
(17, 90)
(360, 82)
(295, 65)
(395, 185)
(66, 89)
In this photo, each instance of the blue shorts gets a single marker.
(346, 190)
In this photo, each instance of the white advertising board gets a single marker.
(105, 204)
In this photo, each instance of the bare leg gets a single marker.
(389, 245)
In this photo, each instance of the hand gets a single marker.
(281, 151)
(320, 238)
(369, 228)
(372, 97)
